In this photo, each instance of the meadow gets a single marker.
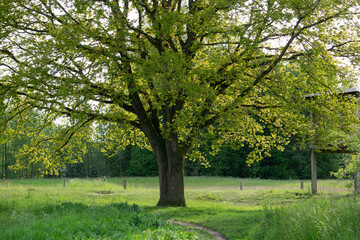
(103, 209)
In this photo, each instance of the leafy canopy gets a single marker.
(198, 71)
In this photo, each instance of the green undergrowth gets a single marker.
(317, 219)
(70, 220)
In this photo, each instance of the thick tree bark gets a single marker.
(171, 175)
(170, 161)
(168, 153)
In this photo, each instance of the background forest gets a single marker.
(291, 163)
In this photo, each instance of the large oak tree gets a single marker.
(175, 73)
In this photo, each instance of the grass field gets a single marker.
(98, 209)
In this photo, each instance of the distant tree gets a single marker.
(15, 135)
(351, 162)
(288, 164)
(142, 163)
(175, 73)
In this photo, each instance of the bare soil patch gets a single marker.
(103, 192)
(216, 234)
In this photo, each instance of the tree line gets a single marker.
(136, 161)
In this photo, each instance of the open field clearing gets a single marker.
(98, 209)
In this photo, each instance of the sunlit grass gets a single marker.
(80, 221)
(134, 183)
(326, 218)
(213, 202)
(83, 209)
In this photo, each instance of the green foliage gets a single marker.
(350, 167)
(142, 163)
(351, 162)
(16, 136)
(219, 69)
(173, 76)
(288, 164)
(134, 161)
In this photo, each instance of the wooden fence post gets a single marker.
(64, 183)
(124, 184)
(302, 185)
(241, 187)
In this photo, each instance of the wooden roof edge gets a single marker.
(336, 151)
(348, 91)
(332, 149)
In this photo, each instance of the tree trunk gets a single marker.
(168, 153)
(170, 161)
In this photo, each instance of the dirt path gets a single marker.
(216, 235)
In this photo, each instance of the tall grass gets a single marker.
(76, 220)
(332, 218)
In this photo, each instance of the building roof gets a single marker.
(347, 91)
